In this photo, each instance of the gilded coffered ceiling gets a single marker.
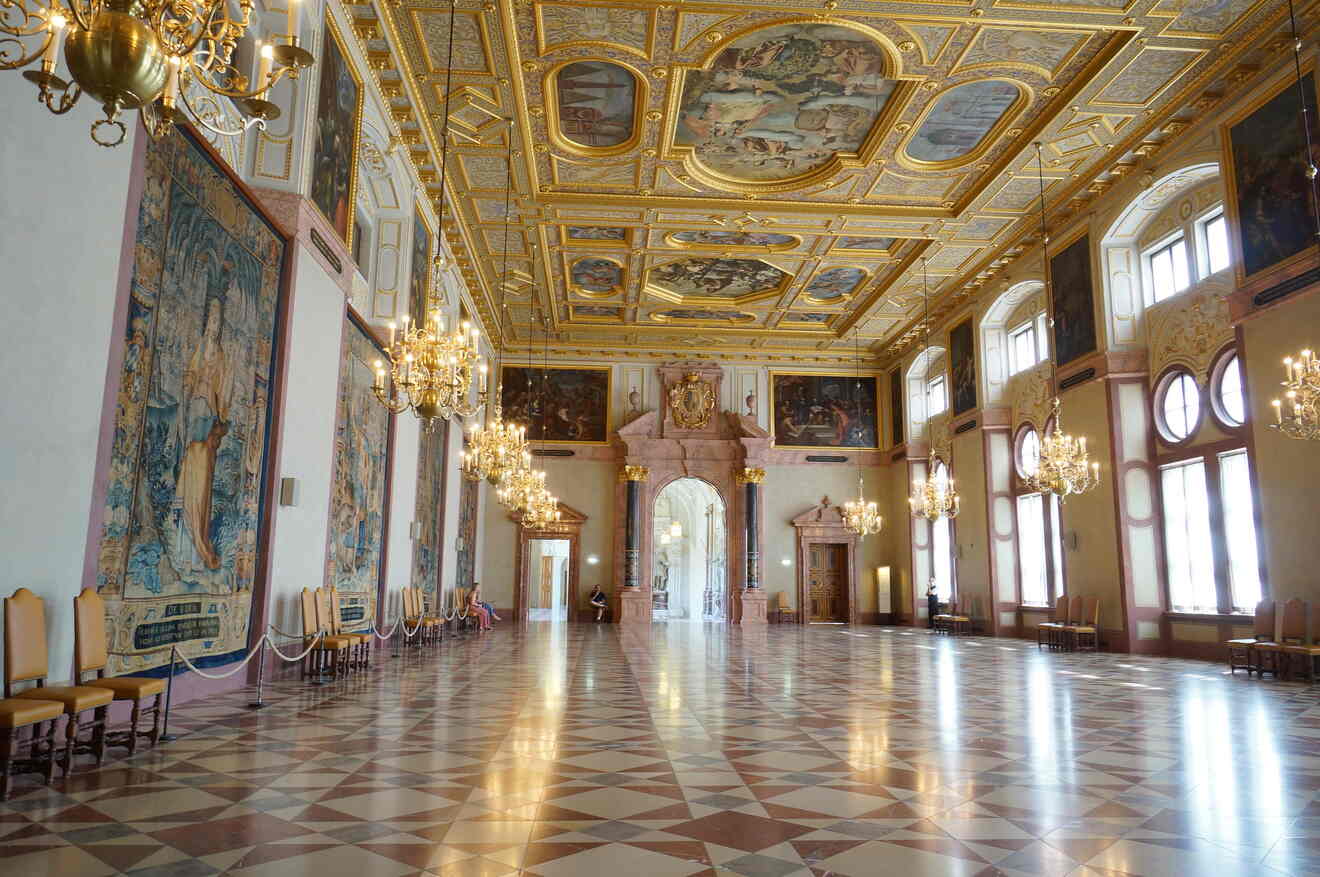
(760, 178)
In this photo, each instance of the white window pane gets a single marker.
(1216, 243)
(1029, 453)
(1031, 549)
(1056, 546)
(1178, 252)
(1161, 274)
(1181, 407)
(1240, 525)
(1188, 556)
(939, 546)
(1042, 340)
(935, 399)
(1231, 401)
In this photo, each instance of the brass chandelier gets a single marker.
(1065, 469)
(540, 508)
(860, 515)
(498, 447)
(147, 55)
(1299, 416)
(935, 497)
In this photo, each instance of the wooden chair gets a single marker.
(1309, 650)
(465, 622)
(1290, 630)
(328, 649)
(1085, 629)
(412, 619)
(1048, 631)
(360, 648)
(960, 621)
(1076, 608)
(90, 655)
(17, 713)
(943, 621)
(25, 661)
(1242, 652)
(432, 623)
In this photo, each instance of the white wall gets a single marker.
(63, 218)
(403, 510)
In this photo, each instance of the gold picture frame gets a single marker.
(332, 32)
(874, 379)
(510, 412)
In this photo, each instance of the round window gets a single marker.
(1178, 407)
(1229, 401)
(1028, 452)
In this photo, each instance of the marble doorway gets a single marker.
(689, 560)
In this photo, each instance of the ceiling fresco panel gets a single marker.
(563, 25)
(701, 278)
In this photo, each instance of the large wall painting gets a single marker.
(1269, 185)
(363, 435)
(186, 492)
(896, 433)
(427, 513)
(596, 105)
(335, 142)
(960, 120)
(573, 403)
(419, 268)
(962, 358)
(1074, 301)
(717, 278)
(782, 101)
(824, 411)
(466, 554)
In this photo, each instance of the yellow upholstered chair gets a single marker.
(1290, 631)
(360, 650)
(1309, 650)
(1242, 652)
(90, 655)
(1084, 630)
(1047, 632)
(960, 617)
(17, 713)
(25, 661)
(328, 649)
(430, 622)
(943, 621)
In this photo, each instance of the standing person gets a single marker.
(475, 608)
(598, 602)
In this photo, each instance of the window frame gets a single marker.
(944, 394)
(1148, 268)
(1162, 387)
(1199, 224)
(1056, 569)
(1219, 365)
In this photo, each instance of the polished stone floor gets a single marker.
(566, 750)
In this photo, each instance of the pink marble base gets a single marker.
(751, 608)
(634, 607)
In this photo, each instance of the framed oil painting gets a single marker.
(1269, 193)
(364, 433)
(576, 402)
(187, 473)
(824, 411)
(962, 359)
(427, 512)
(896, 431)
(335, 139)
(419, 267)
(1074, 301)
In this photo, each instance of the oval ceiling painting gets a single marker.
(961, 119)
(835, 283)
(757, 239)
(595, 104)
(597, 275)
(780, 102)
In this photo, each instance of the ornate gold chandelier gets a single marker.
(1299, 416)
(541, 512)
(520, 483)
(935, 497)
(147, 55)
(860, 516)
(1065, 469)
(431, 371)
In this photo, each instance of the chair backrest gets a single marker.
(1264, 626)
(1292, 627)
(309, 613)
(1075, 608)
(323, 610)
(336, 617)
(1060, 613)
(1091, 614)
(25, 637)
(89, 641)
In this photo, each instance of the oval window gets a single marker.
(961, 119)
(1179, 407)
(1230, 403)
(1028, 452)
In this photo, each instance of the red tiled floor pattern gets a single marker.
(702, 750)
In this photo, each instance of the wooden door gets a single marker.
(827, 582)
(547, 583)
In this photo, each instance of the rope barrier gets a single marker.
(265, 639)
(285, 633)
(305, 653)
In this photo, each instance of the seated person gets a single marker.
(476, 609)
(484, 605)
(599, 602)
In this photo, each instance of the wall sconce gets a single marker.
(593, 559)
(786, 562)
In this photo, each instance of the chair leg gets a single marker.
(101, 717)
(8, 752)
(155, 720)
(70, 741)
(133, 727)
(48, 769)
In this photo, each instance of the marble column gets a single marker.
(752, 598)
(632, 608)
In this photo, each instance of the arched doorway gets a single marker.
(689, 555)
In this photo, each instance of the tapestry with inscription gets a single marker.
(430, 498)
(186, 482)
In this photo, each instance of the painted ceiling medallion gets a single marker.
(961, 120)
(751, 240)
(692, 402)
(595, 106)
(834, 284)
(701, 278)
(702, 315)
(780, 102)
(597, 276)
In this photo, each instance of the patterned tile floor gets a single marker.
(570, 750)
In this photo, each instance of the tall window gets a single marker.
(936, 396)
(1191, 567)
(1168, 270)
(1027, 345)
(1039, 537)
(1214, 230)
(941, 544)
(1239, 529)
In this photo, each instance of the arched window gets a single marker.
(941, 543)
(1227, 399)
(1178, 407)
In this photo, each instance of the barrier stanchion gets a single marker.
(259, 703)
(165, 735)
